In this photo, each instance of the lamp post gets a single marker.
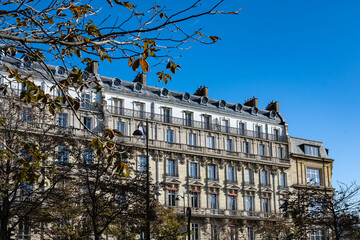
(138, 134)
(187, 214)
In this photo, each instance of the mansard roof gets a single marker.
(298, 146)
(194, 101)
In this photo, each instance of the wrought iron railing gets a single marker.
(196, 124)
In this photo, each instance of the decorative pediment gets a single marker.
(170, 180)
(214, 185)
(250, 188)
(195, 183)
(266, 189)
(233, 186)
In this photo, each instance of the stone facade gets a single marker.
(233, 164)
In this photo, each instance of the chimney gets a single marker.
(93, 67)
(273, 106)
(141, 78)
(202, 91)
(252, 102)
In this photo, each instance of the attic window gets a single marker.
(272, 114)
(60, 70)
(138, 87)
(116, 82)
(85, 75)
(185, 96)
(311, 150)
(204, 100)
(238, 107)
(254, 110)
(221, 104)
(164, 92)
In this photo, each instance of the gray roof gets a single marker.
(194, 101)
(297, 146)
(155, 94)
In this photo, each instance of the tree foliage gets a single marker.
(35, 36)
(337, 213)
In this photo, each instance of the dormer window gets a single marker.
(311, 150)
(60, 70)
(164, 92)
(85, 75)
(221, 104)
(137, 87)
(254, 110)
(116, 82)
(204, 100)
(185, 96)
(238, 107)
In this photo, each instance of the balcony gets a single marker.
(195, 124)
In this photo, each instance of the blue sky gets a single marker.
(304, 54)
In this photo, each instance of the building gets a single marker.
(233, 164)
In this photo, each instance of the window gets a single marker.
(313, 176)
(192, 139)
(118, 107)
(87, 122)
(246, 147)
(88, 157)
(166, 115)
(63, 119)
(195, 231)
(210, 143)
(172, 197)
(232, 202)
(142, 165)
(188, 119)
(312, 150)
(283, 180)
(194, 170)
(26, 188)
(227, 125)
(241, 128)
(228, 145)
(266, 205)
(317, 234)
(280, 152)
(85, 100)
(249, 203)
(171, 168)
(170, 136)
(315, 207)
(195, 200)
(212, 172)
(249, 176)
(24, 230)
(262, 150)
(120, 126)
(140, 110)
(234, 233)
(213, 201)
(63, 154)
(231, 174)
(283, 206)
(207, 122)
(276, 134)
(257, 131)
(27, 115)
(214, 232)
(265, 178)
(251, 234)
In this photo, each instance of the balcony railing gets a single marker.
(195, 124)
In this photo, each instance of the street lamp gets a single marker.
(187, 213)
(138, 134)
